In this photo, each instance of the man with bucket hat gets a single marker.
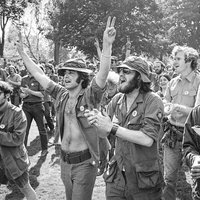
(79, 140)
(134, 116)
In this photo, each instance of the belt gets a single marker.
(75, 157)
(32, 103)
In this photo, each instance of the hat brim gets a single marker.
(61, 71)
(144, 77)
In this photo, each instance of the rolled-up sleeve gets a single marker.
(153, 117)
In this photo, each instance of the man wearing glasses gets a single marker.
(134, 117)
(79, 140)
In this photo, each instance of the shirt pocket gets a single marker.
(190, 93)
(21, 157)
(136, 122)
(148, 175)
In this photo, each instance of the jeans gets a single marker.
(35, 111)
(78, 179)
(172, 163)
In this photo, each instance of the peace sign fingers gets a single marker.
(110, 32)
(110, 23)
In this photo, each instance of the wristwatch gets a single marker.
(114, 129)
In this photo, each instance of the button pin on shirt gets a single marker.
(82, 108)
(134, 113)
(186, 92)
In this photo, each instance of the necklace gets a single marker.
(70, 106)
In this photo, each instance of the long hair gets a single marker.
(144, 87)
(85, 77)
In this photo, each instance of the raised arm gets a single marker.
(32, 67)
(96, 44)
(128, 47)
(105, 60)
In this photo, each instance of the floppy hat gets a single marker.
(75, 65)
(137, 64)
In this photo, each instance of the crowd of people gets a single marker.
(111, 118)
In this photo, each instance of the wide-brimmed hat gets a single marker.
(75, 65)
(137, 64)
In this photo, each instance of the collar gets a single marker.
(189, 77)
(139, 98)
(3, 108)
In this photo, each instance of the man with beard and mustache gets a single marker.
(134, 117)
(79, 140)
(158, 68)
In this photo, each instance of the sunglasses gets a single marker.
(124, 70)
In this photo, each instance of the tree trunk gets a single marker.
(56, 51)
(1, 50)
(2, 42)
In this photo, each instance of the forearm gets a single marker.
(35, 70)
(15, 83)
(32, 67)
(135, 136)
(99, 52)
(36, 93)
(128, 53)
(105, 62)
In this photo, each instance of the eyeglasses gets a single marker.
(124, 70)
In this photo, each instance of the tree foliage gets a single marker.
(77, 23)
(10, 10)
(182, 19)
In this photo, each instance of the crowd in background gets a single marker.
(15, 73)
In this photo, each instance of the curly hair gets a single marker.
(85, 77)
(191, 55)
(5, 87)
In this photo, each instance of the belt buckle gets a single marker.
(66, 158)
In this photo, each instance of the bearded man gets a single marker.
(134, 117)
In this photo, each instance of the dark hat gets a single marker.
(137, 64)
(75, 65)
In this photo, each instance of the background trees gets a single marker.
(81, 21)
(10, 11)
(153, 26)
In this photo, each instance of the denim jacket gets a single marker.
(89, 98)
(12, 133)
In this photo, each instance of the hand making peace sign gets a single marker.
(110, 32)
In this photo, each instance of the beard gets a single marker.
(133, 84)
(158, 71)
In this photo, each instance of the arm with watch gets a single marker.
(105, 126)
